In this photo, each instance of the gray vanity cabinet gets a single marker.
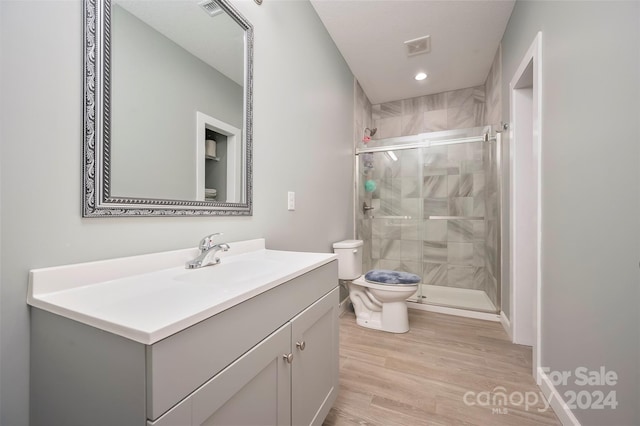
(270, 360)
(291, 377)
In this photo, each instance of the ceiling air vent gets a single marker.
(211, 7)
(418, 46)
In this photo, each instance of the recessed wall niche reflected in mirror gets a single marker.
(168, 89)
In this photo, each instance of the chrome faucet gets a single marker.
(207, 250)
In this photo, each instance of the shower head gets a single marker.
(367, 136)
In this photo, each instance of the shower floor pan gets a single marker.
(453, 297)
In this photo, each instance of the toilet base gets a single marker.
(394, 318)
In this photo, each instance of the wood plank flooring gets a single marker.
(421, 377)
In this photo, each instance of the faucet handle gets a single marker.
(207, 242)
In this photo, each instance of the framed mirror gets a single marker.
(167, 108)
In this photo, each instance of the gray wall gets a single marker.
(590, 187)
(303, 142)
(157, 88)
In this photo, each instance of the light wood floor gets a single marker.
(421, 377)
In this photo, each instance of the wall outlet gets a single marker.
(291, 200)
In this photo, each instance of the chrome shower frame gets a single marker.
(434, 139)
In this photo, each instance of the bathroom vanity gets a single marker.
(251, 341)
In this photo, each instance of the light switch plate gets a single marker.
(291, 200)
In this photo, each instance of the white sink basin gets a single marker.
(234, 270)
(147, 298)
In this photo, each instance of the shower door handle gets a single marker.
(366, 208)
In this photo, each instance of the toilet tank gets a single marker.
(349, 259)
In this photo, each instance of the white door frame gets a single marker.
(525, 245)
(235, 191)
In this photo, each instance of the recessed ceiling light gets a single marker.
(420, 76)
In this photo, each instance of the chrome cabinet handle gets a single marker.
(288, 358)
(301, 345)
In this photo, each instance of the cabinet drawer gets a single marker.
(183, 362)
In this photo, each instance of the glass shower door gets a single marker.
(454, 227)
(430, 204)
(389, 212)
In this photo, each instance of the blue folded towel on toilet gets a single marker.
(385, 276)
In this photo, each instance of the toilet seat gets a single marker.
(383, 286)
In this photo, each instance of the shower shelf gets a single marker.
(456, 217)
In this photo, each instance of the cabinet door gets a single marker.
(254, 390)
(314, 374)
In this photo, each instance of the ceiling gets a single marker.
(370, 34)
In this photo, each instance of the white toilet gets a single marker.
(377, 305)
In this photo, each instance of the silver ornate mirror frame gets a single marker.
(97, 198)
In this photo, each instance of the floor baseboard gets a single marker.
(453, 311)
(564, 413)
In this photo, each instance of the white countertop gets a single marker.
(147, 298)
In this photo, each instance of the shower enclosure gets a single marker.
(429, 204)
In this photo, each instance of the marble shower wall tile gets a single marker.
(413, 267)
(410, 187)
(435, 274)
(375, 248)
(460, 231)
(393, 265)
(461, 206)
(383, 229)
(460, 254)
(479, 279)
(411, 250)
(434, 187)
(435, 207)
(434, 252)
(386, 110)
(456, 109)
(461, 118)
(493, 91)
(466, 185)
(412, 124)
(460, 276)
(453, 185)
(362, 114)
(434, 230)
(434, 121)
(478, 231)
(413, 106)
(391, 249)
(493, 111)
(411, 231)
(435, 102)
(479, 254)
(388, 127)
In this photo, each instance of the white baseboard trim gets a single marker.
(343, 306)
(506, 324)
(564, 413)
(453, 311)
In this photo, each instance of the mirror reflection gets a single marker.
(177, 101)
